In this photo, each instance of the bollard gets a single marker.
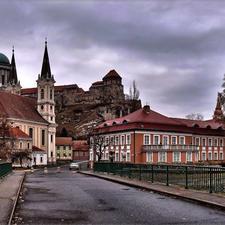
(32, 169)
(45, 170)
(58, 169)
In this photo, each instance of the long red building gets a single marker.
(146, 136)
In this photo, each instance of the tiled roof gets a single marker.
(64, 141)
(80, 145)
(112, 74)
(19, 107)
(59, 88)
(17, 133)
(146, 118)
(97, 83)
(36, 149)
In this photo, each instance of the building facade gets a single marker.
(64, 148)
(34, 116)
(146, 136)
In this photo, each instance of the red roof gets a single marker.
(112, 74)
(17, 133)
(36, 149)
(64, 141)
(59, 88)
(19, 107)
(150, 120)
(80, 145)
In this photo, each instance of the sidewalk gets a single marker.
(9, 187)
(201, 197)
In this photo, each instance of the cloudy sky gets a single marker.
(174, 50)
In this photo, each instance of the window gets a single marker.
(203, 142)
(149, 157)
(112, 140)
(221, 142)
(42, 94)
(156, 140)
(146, 139)
(196, 156)
(182, 140)
(106, 155)
(162, 157)
(21, 145)
(51, 154)
(221, 156)
(107, 140)
(174, 140)
(165, 140)
(51, 95)
(64, 147)
(216, 142)
(58, 155)
(128, 157)
(51, 107)
(210, 156)
(58, 147)
(116, 140)
(176, 157)
(28, 145)
(43, 137)
(215, 156)
(51, 138)
(31, 132)
(210, 142)
(3, 79)
(41, 159)
(117, 156)
(128, 139)
(189, 156)
(197, 141)
(51, 118)
(42, 107)
(122, 140)
(203, 156)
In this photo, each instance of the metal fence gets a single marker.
(211, 179)
(5, 168)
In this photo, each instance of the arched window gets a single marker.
(42, 94)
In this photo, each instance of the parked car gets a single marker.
(74, 166)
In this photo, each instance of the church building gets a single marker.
(33, 116)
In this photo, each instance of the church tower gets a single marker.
(46, 105)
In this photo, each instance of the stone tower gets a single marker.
(46, 104)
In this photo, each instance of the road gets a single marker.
(72, 198)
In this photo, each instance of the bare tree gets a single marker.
(134, 93)
(194, 116)
(99, 144)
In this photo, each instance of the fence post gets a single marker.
(167, 175)
(210, 180)
(152, 173)
(186, 177)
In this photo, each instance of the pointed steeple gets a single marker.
(13, 73)
(46, 70)
(218, 113)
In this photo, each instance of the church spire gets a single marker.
(46, 70)
(13, 73)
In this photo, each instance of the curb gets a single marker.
(166, 193)
(16, 200)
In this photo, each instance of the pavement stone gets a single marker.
(201, 197)
(9, 187)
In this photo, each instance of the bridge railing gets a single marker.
(207, 178)
(5, 168)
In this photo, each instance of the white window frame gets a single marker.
(204, 141)
(117, 159)
(180, 140)
(162, 158)
(220, 155)
(215, 142)
(199, 141)
(215, 154)
(179, 157)
(209, 154)
(190, 154)
(122, 140)
(154, 136)
(172, 140)
(149, 157)
(149, 140)
(210, 142)
(128, 139)
(168, 140)
(117, 140)
(128, 158)
(203, 154)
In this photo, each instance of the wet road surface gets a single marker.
(72, 198)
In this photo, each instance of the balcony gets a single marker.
(153, 148)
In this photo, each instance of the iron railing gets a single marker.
(5, 168)
(191, 148)
(207, 178)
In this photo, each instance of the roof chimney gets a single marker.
(146, 109)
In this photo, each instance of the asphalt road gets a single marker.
(72, 198)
